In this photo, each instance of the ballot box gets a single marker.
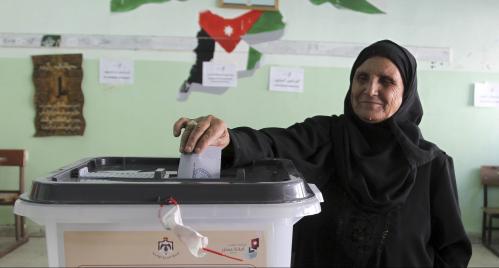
(107, 211)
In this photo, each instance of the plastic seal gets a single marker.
(194, 241)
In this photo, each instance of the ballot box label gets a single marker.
(153, 248)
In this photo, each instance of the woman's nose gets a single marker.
(372, 88)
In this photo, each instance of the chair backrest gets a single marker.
(15, 157)
(489, 176)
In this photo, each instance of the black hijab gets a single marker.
(377, 162)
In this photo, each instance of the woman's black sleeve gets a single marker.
(301, 141)
(451, 244)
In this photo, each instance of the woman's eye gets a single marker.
(387, 81)
(362, 78)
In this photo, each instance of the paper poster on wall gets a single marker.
(116, 72)
(58, 95)
(219, 75)
(286, 79)
(486, 94)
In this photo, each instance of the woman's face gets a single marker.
(377, 90)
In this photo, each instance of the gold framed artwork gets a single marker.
(251, 4)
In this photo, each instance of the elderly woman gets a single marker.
(390, 195)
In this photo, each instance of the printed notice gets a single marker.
(286, 79)
(486, 95)
(219, 75)
(116, 72)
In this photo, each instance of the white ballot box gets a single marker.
(111, 211)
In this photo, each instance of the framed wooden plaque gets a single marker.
(58, 95)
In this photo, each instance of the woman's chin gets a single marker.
(372, 119)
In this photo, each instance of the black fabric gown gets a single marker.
(425, 231)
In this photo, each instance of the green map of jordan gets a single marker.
(230, 40)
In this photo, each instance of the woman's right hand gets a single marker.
(200, 133)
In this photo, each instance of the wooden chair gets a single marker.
(489, 176)
(14, 158)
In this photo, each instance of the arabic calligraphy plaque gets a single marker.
(58, 95)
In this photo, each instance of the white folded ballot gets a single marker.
(201, 166)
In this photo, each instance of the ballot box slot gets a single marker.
(142, 180)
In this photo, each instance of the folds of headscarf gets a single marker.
(378, 162)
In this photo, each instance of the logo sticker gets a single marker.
(165, 249)
(252, 248)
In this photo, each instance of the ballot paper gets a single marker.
(200, 166)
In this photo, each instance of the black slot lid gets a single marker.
(145, 180)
